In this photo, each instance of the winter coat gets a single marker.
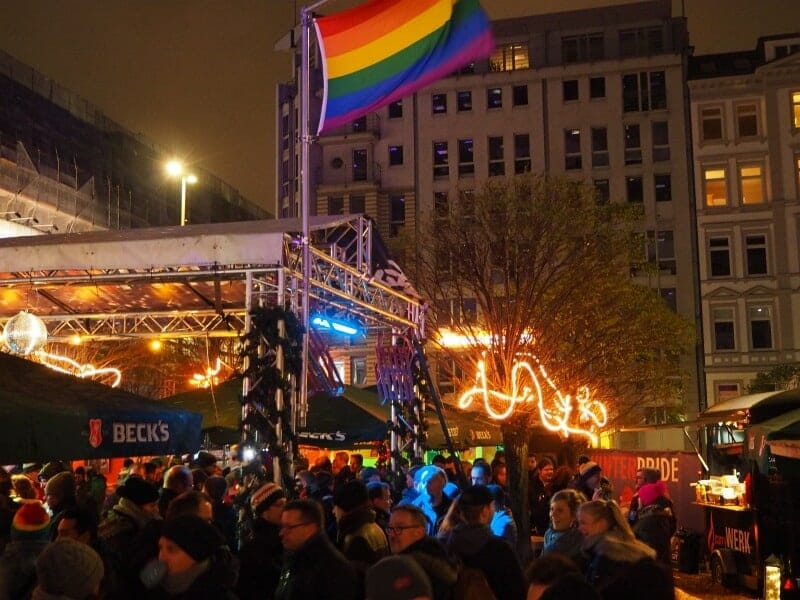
(212, 579)
(567, 542)
(18, 568)
(655, 525)
(476, 547)
(261, 560)
(360, 539)
(432, 557)
(539, 496)
(224, 519)
(614, 563)
(317, 571)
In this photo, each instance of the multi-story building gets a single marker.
(597, 95)
(745, 110)
(65, 166)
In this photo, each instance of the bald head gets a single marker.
(178, 479)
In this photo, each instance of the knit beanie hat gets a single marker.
(138, 491)
(588, 469)
(650, 492)
(31, 522)
(265, 496)
(52, 469)
(351, 495)
(195, 536)
(397, 578)
(69, 568)
(476, 495)
(61, 485)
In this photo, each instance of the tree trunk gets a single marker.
(515, 442)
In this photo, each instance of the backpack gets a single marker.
(472, 585)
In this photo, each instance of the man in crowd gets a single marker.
(539, 493)
(359, 538)
(177, 481)
(480, 474)
(433, 501)
(261, 556)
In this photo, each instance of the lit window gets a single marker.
(509, 57)
(633, 145)
(522, 153)
(441, 167)
(724, 331)
(715, 187)
(464, 101)
(747, 120)
(466, 160)
(756, 254)
(572, 149)
(760, 318)
(751, 184)
(719, 254)
(599, 147)
(497, 165)
(711, 124)
(796, 109)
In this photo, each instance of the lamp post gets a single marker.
(175, 169)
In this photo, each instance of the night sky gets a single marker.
(197, 77)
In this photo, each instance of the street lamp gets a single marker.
(175, 169)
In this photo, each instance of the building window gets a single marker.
(522, 153)
(494, 98)
(519, 95)
(747, 120)
(582, 48)
(751, 184)
(395, 155)
(640, 42)
(358, 204)
(796, 109)
(727, 391)
(633, 145)
(719, 254)
(360, 124)
(570, 90)
(497, 165)
(360, 164)
(634, 189)
(572, 149)
(661, 250)
(644, 91)
(509, 57)
(715, 186)
(660, 131)
(441, 206)
(336, 205)
(466, 159)
(397, 213)
(724, 332)
(396, 110)
(464, 101)
(597, 87)
(439, 103)
(602, 191)
(358, 370)
(760, 318)
(670, 298)
(756, 253)
(440, 161)
(663, 187)
(599, 147)
(711, 124)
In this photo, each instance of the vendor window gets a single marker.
(760, 318)
(751, 184)
(715, 186)
(724, 330)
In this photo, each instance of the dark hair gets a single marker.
(310, 511)
(544, 461)
(547, 569)
(438, 459)
(483, 467)
(188, 503)
(128, 462)
(375, 489)
(359, 459)
(499, 495)
(85, 519)
(416, 513)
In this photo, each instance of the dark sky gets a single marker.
(197, 77)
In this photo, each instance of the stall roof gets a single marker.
(758, 407)
(781, 434)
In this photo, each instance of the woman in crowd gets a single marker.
(563, 535)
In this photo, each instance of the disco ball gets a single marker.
(25, 333)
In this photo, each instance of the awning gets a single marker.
(759, 407)
(48, 415)
(779, 436)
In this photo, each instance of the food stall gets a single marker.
(752, 513)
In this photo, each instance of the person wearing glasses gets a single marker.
(312, 567)
(407, 536)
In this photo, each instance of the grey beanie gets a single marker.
(69, 568)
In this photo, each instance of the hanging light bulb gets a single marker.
(25, 333)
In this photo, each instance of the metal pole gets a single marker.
(183, 200)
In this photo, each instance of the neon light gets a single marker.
(560, 415)
(75, 368)
(336, 325)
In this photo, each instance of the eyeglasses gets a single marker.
(285, 526)
(399, 529)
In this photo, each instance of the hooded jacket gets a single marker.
(611, 557)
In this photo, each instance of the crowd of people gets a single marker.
(444, 531)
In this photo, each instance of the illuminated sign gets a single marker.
(562, 413)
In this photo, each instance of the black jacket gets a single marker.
(432, 557)
(215, 583)
(261, 560)
(317, 571)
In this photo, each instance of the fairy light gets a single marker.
(563, 414)
(209, 378)
(72, 367)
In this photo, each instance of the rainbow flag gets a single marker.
(382, 50)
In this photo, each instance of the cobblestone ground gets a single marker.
(700, 586)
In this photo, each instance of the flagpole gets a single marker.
(301, 409)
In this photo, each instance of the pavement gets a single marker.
(688, 587)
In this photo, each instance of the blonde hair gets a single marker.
(610, 512)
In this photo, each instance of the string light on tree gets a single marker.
(66, 365)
